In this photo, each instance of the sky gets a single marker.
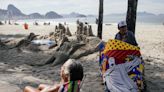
(82, 6)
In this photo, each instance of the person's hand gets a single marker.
(54, 89)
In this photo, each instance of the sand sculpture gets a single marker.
(84, 43)
(83, 31)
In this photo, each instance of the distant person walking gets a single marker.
(125, 35)
(26, 26)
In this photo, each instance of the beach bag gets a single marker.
(120, 51)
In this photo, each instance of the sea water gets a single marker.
(90, 20)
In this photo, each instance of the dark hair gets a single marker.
(76, 71)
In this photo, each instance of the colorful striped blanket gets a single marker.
(71, 86)
(120, 51)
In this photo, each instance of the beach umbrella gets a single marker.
(131, 15)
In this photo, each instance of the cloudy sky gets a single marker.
(82, 6)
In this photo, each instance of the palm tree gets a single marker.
(131, 15)
(100, 20)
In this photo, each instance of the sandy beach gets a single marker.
(17, 70)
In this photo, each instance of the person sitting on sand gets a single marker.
(71, 75)
(36, 23)
(1, 23)
(125, 35)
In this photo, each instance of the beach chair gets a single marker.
(71, 86)
(120, 51)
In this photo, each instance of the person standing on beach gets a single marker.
(125, 35)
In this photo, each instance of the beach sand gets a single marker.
(16, 70)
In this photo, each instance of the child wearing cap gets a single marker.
(125, 35)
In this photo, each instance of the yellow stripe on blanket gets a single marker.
(114, 44)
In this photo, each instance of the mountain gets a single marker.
(145, 14)
(13, 11)
(161, 15)
(116, 14)
(52, 15)
(90, 15)
(149, 17)
(3, 13)
(141, 17)
(35, 16)
(73, 15)
(138, 14)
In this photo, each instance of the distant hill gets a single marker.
(141, 17)
(145, 14)
(36, 16)
(52, 15)
(91, 15)
(73, 15)
(14, 13)
(3, 13)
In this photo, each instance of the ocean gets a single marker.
(90, 20)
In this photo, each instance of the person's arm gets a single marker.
(54, 88)
(42, 86)
(118, 37)
(130, 65)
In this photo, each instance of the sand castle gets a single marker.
(67, 47)
(62, 42)
(83, 30)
